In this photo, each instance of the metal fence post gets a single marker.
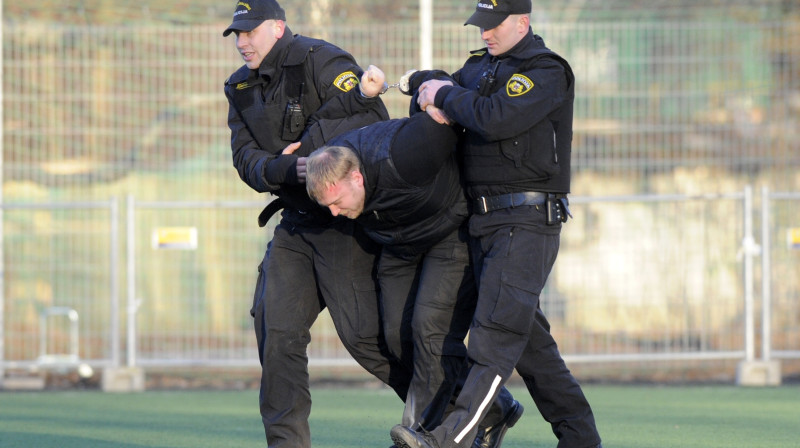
(2, 274)
(766, 277)
(128, 378)
(114, 281)
(749, 249)
(426, 34)
(2, 242)
(752, 372)
(133, 303)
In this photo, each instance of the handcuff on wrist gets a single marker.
(382, 91)
(404, 85)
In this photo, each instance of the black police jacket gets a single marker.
(517, 113)
(409, 218)
(281, 103)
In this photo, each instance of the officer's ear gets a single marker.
(280, 27)
(524, 21)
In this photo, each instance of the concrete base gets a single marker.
(27, 382)
(123, 379)
(758, 373)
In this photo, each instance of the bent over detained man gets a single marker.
(399, 180)
(314, 260)
(514, 99)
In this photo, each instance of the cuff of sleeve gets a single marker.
(282, 169)
(416, 79)
(364, 98)
(438, 100)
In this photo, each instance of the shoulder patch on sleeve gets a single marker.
(346, 81)
(518, 85)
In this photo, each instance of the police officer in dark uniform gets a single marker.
(314, 260)
(514, 99)
(406, 192)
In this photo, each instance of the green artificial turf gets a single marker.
(627, 416)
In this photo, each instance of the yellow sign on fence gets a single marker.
(793, 238)
(181, 238)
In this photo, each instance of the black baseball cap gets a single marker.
(251, 13)
(490, 13)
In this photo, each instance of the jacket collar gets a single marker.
(273, 60)
(525, 48)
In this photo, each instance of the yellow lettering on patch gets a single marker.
(346, 81)
(518, 85)
(242, 85)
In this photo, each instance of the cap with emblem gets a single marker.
(251, 13)
(491, 13)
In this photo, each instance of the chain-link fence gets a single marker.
(662, 109)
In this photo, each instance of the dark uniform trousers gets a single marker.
(304, 270)
(428, 301)
(513, 252)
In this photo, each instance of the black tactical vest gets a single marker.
(275, 110)
(536, 160)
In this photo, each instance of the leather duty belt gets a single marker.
(486, 204)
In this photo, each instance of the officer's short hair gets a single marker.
(328, 165)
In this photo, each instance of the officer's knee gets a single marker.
(287, 342)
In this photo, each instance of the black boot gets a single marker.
(404, 437)
(492, 436)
